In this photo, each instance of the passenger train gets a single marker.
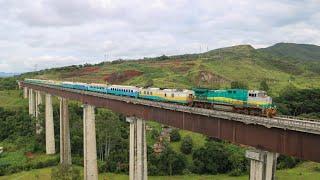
(252, 102)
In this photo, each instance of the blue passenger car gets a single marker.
(100, 88)
(130, 91)
(71, 85)
(81, 86)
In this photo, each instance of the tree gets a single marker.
(211, 159)
(294, 101)
(239, 85)
(264, 86)
(108, 132)
(171, 163)
(175, 135)
(186, 145)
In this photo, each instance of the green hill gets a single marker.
(303, 52)
(279, 65)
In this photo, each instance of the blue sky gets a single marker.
(52, 33)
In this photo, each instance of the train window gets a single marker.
(172, 95)
(229, 91)
(165, 94)
(150, 93)
(144, 92)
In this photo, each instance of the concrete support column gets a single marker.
(38, 100)
(138, 149)
(25, 92)
(262, 164)
(89, 144)
(31, 103)
(65, 147)
(50, 143)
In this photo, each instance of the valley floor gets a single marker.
(305, 171)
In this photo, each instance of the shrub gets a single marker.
(154, 134)
(186, 145)
(286, 162)
(175, 135)
(63, 172)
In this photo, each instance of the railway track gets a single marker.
(297, 118)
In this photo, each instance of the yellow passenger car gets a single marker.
(167, 95)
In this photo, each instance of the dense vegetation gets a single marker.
(299, 102)
(8, 83)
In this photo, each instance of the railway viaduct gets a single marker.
(268, 136)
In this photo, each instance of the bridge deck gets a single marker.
(295, 137)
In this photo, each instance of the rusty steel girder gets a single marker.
(302, 145)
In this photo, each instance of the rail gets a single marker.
(298, 118)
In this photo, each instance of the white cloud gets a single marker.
(57, 32)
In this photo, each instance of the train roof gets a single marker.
(121, 86)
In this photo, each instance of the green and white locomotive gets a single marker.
(243, 101)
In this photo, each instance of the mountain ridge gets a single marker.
(294, 51)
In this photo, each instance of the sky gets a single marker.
(39, 34)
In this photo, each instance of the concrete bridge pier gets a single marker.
(50, 143)
(32, 103)
(138, 149)
(89, 143)
(262, 164)
(25, 92)
(38, 102)
(65, 147)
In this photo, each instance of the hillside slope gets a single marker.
(304, 52)
(213, 69)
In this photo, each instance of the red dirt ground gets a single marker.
(120, 77)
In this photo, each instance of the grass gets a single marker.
(12, 99)
(305, 171)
